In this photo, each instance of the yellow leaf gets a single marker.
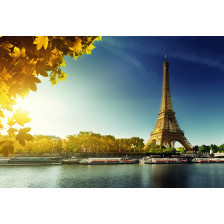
(89, 49)
(54, 60)
(21, 117)
(5, 74)
(11, 131)
(62, 76)
(100, 38)
(1, 126)
(11, 121)
(53, 80)
(63, 62)
(75, 56)
(9, 108)
(77, 45)
(22, 136)
(6, 46)
(4, 99)
(17, 53)
(23, 52)
(41, 41)
(2, 114)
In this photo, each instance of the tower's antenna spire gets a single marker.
(165, 57)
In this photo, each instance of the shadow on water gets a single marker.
(169, 176)
(187, 176)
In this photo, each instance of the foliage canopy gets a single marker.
(23, 60)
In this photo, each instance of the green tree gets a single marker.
(196, 148)
(137, 144)
(221, 148)
(181, 149)
(169, 150)
(214, 148)
(153, 148)
(204, 148)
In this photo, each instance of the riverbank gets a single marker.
(153, 159)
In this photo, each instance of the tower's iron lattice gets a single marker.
(167, 130)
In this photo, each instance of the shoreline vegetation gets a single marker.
(89, 144)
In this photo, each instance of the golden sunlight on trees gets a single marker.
(84, 142)
(22, 61)
(97, 143)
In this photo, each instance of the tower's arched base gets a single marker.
(167, 138)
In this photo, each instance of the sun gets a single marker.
(24, 104)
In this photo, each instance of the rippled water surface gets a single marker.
(113, 176)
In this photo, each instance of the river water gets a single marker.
(113, 176)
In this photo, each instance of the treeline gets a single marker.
(92, 143)
(153, 148)
(82, 142)
(38, 145)
(206, 148)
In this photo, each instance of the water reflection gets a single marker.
(113, 176)
(169, 175)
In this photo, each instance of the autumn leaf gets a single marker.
(75, 56)
(6, 147)
(63, 62)
(53, 80)
(30, 82)
(77, 45)
(2, 114)
(44, 73)
(22, 136)
(21, 117)
(41, 41)
(62, 76)
(1, 125)
(11, 131)
(11, 121)
(4, 99)
(89, 49)
(17, 53)
(5, 75)
(54, 60)
(5, 46)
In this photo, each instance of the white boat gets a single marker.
(31, 161)
(98, 161)
(208, 160)
(143, 160)
(166, 160)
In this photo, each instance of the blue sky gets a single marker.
(117, 89)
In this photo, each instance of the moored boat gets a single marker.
(33, 161)
(70, 161)
(143, 160)
(107, 161)
(166, 160)
(208, 160)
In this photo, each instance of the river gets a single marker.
(113, 176)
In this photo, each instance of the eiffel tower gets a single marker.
(167, 130)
